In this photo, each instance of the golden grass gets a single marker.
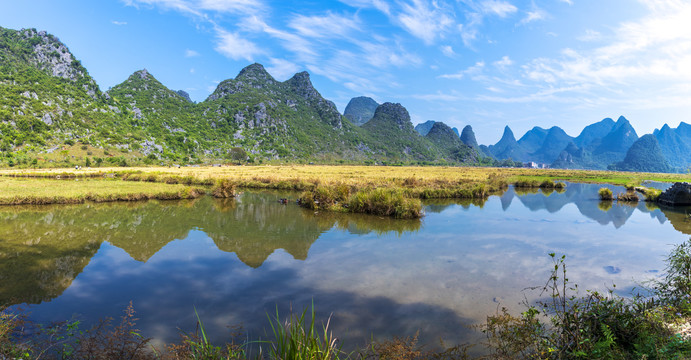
(408, 176)
(414, 182)
(15, 191)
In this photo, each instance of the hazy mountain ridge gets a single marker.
(602, 145)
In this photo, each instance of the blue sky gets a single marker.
(487, 63)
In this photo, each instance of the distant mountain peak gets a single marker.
(621, 121)
(508, 134)
(143, 74)
(468, 136)
(395, 112)
(425, 127)
(360, 110)
(184, 95)
(439, 129)
(645, 154)
(255, 72)
(302, 85)
(593, 133)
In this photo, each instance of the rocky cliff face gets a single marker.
(53, 57)
(301, 85)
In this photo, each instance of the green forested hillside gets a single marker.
(52, 113)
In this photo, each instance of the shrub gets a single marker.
(652, 195)
(605, 194)
(224, 189)
(629, 196)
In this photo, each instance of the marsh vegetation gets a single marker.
(388, 191)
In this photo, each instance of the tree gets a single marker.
(88, 162)
(237, 154)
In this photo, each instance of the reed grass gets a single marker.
(297, 337)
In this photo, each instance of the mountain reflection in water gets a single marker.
(379, 276)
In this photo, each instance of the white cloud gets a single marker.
(197, 7)
(191, 53)
(503, 63)
(282, 69)
(425, 20)
(534, 14)
(447, 50)
(654, 49)
(382, 56)
(497, 7)
(570, 2)
(328, 26)
(590, 35)
(233, 46)
(441, 96)
(177, 5)
(380, 5)
(472, 71)
(119, 23)
(232, 6)
(469, 30)
(298, 45)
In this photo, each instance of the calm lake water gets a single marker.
(237, 260)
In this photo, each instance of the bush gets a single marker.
(224, 189)
(605, 194)
(629, 196)
(652, 195)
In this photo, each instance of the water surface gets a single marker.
(237, 260)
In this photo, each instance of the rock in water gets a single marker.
(677, 195)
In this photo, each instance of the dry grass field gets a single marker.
(369, 175)
(381, 190)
